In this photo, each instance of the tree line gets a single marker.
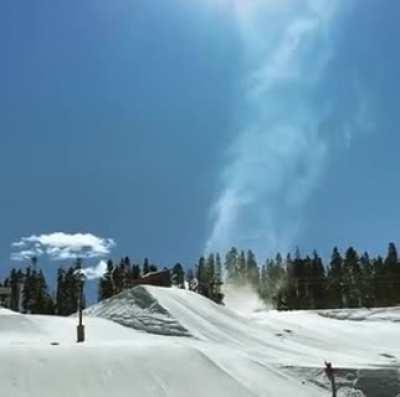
(287, 283)
(347, 280)
(305, 282)
(30, 292)
(205, 279)
(119, 276)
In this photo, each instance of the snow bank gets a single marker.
(4, 311)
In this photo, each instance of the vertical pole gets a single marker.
(333, 383)
(331, 376)
(80, 304)
(80, 328)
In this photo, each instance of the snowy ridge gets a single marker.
(137, 308)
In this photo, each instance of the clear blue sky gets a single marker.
(117, 119)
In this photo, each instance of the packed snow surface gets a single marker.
(138, 308)
(158, 342)
(375, 314)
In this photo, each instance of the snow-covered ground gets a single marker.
(375, 314)
(158, 342)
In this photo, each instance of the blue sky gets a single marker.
(139, 122)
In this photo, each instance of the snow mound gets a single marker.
(4, 311)
(137, 308)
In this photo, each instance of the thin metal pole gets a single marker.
(80, 328)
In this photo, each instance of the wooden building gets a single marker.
(160, 278)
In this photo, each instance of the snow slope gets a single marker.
(138, 308)
(177, 343)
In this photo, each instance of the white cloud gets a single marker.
(25, 254)
(61, 246)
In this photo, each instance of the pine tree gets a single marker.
(42, 301)
(27, 294)
(273, 283)
(317, 283)
(210, 269)
(126, 273)
(352, 278)
(178, 276)
(15, 282)
(153, 268)
(289, 295)
(146, 266)
(69, 290)
(391, 265)
(267, 289)
(70, 301)
(218, 296)
(191, 280)
(379, 279)
(218, 267)
(367, 286)
(298, 281)
(241, 269)
(106, 283)
(231, 259)
(213, 279)
(252, 271)
(263, 288)
(61, 293)
(135, 274)
(119, 277)
(335, 280)
(201, 275)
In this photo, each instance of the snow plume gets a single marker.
(276, 159)
(242, 299)
(62, 246)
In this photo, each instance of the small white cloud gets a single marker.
(18, 244)
(62, 246)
